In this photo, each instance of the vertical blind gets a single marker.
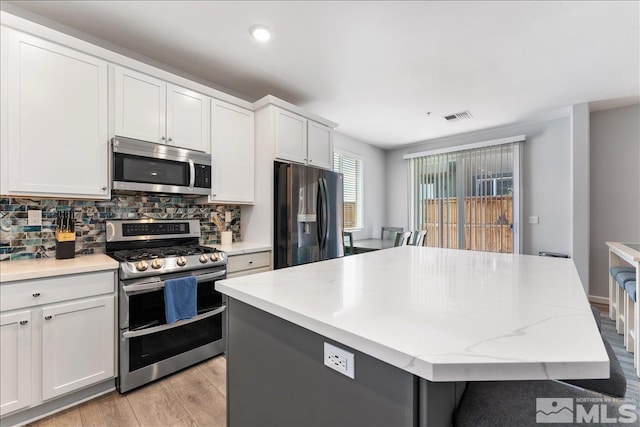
(464, 199)
(351, 169)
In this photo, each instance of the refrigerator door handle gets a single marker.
(325, 213)
(320, 220)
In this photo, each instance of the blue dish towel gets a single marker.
(180, 298)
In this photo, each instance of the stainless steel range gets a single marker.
(151, 252)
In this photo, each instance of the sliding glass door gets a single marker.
(468, 199)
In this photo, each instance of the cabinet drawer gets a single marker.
(44, 291)
(248, 261)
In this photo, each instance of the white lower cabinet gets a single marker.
(53, 342)
(242, 265)
(15, 361)
(77, 345)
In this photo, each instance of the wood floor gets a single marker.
(196, 397)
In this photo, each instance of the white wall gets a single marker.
(545, 174)
(615, 187)
(375, 188)
(579, 155)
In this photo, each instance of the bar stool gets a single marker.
(621, 279)
(614, 309)
(632, 312)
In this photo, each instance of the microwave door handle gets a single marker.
(192, 174)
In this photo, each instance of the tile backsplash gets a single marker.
(21, 241)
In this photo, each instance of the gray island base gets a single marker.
(276, 377)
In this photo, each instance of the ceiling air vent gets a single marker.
(458, 116)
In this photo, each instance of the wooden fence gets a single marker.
(487, 223)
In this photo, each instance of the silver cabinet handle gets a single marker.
(170, 139)
(24, 322)
(104, 188)
(162, 138)
(47, 317)
(36, 294)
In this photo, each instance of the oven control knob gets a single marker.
(181, 261)
(142, 265)
(214, 257)
(156, 264)
(203, 259)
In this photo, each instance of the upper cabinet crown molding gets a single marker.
(272, 100)
(91, 45)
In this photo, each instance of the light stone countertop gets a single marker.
(442, 314)
(11, 271)
(239, 248)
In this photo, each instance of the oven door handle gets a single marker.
(130, 289)
(153, 330)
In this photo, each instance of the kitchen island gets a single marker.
(420, 321)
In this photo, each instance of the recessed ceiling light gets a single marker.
(260, 33)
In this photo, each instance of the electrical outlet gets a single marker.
(227, 216)
(339, 360)
(34, 217)
(534, 220)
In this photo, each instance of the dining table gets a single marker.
(368, 245)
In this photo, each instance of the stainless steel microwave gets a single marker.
(158, 168)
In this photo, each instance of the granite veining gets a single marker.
(442, 314)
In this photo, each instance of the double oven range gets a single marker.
(151, 252)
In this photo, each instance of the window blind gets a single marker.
(351, 169)
(464, 199)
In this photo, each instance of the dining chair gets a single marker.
(348, 242)
(402, 239)
(389, 233)
(420, 237)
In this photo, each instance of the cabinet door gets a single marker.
(77, 345)
(232, 153)
(15, 361)
(140, 106)
(187, 118)
(291, 136)
(57, 120)
(319, 145)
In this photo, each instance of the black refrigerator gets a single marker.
(308, 216)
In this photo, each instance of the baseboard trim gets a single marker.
(45, 409)
(598, 299)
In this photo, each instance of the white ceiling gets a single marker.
(377, 68)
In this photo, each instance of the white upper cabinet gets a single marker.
(153, 110)
(140, 111)
(319, 145)
(55, 135)
(303, 141)
(187, 118)
(291, 136)
(232, 153)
